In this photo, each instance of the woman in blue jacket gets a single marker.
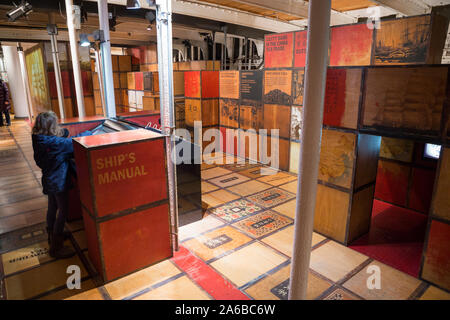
(53, 153)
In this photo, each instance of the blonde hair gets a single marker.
(47, 124)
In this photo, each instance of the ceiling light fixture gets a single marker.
(24, 9)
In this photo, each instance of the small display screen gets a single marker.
(432, 151)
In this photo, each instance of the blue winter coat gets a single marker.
(53, 155)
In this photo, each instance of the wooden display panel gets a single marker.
(115, 63)
(351, 45)
(301, 38)
(230, 138)
(89, 106)
(298, 86)
(148, 81)
(197, 65)
(392, 182)
(123, 80)
(213, 65)
(97, 99)
(251, 115)
(229, 113)
(436, 263)
(193, 111)
(296, 122)
(178, 83)
(441, 202)
(139, 78)
(330, 217)
(342, 96)
(368, 150)
(405, 98)
(278, 50)
(397, 149)
(278, 87)
(210, 84)
(248, 147)
(131, 81)
(192, 84)
(283, 151)
(151, 103)
(361, 213)
(116, 80)
(337, 155)
(210, 112)
(68, 107)
(252, 85)
(294, 157)
(277, 117)
(124, 63)
(95, 83)
(229, 84)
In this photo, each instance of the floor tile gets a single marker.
(180, 289)
(433, 293)
(208, 187)
(23, 206)
(36, 281)
(262, 223)
(276, 286)
(75, 225)
(257, 172)
(217, 198)
(80, 239)
(188, 188)
(339, 294)
(248, 263)
(93, 294)
(277, 179)
(287, 208)
(67, 293)
(240, 166)
(214, 172)
(271, 197)
(206, 166)
(248, 188)
(193, 229)
(236, 210)
(140, 280)
(22, 220)
(229, 180)
(395, 285)
(291, 187)
(213, 244)
(334, 261)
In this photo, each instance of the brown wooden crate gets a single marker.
(229, 84)
(124, 96)
(277, 117)
(251, 115)
(368, 150)
(361, 213)
(156, 82)
(229, 113)
(193, 111)
(440, 206)
(124, 63)
(115, 63)
(210, 112)
(131, 81)
(330, 218)
(337, 154)
(408, 98)
(397, 149)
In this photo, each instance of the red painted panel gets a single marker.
(74, 202)
(90, 229)
(351, 45)
(52, 85)
(206, 277)
(77, 128)
(86, 78)
(192, 84)
(151, 120)
(128, 175)
(210, 84)
(67, 83)
(136, 240)
(300, 49)
(437, 257)
(83, 176)
(139, 81)
(228, 145)
(334, 97)
(278, 50)
(421, 189)
(392, 182)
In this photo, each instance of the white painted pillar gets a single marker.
(107, 71)
(314, 96)
(17, 91)
(75, 58)
(26, 84)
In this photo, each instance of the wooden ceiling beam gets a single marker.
(406, 7)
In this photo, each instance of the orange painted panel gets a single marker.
(210, 84)
(300, 49)
(192, 84)
(278, 50)
(351, 45)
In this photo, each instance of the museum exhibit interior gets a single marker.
(213, 149)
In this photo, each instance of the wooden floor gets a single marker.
(240, 250)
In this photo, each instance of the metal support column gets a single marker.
(105, 48)
(75, 57)
(165, 69)
(315, 77)
(98, 62)
(53, 32)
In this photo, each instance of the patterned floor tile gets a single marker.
(236, 210)
(339, 294)
(217, 198)
(248, 188)
(215, 243)
(262, 223)
(276, 286)
(229, 180)
(257, 172)
(214, 172)
(138, 281)
(272, 197)
(278, 179)
(193, 229)
(240, 166)
(180, 289)
(433, 293)
(248, 263)
(395, 285)
(208, 187)
(334, 261)
(291, 187)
